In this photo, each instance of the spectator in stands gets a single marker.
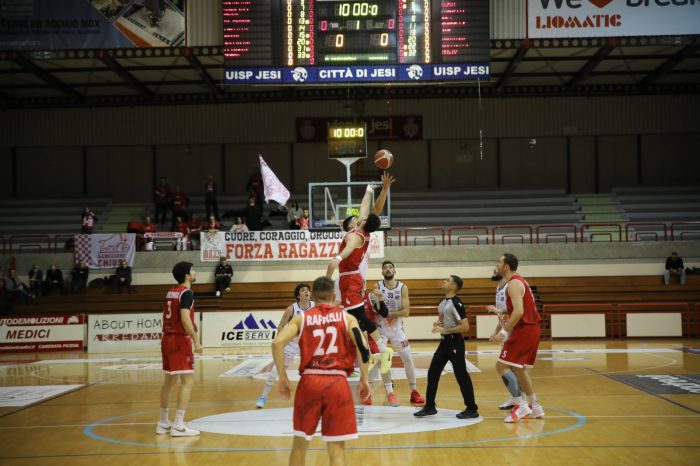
(122, 278)
(184, 228)
(179, 202)
(89, 219)
(255, 185)
(15, 289)
(134, 226)
(294, 213)
(674, 266)
(36, 276)
(223, 274)
(212, 225)
(253, 215)
(54, 279)
(80, 275)
(148, 227)
(195, 225)
(304, 220)
(162, 199)
(210, 202)
(239, 225)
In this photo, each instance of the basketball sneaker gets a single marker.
(162, 428)
(392, 400)
(183, 431)
(519, 412)
(261, 402)
(416, 398)
(367, 402)
(425, 412)
(537, 412)
(374, 359)
(385, 365)
(469, 413)
(508, 404)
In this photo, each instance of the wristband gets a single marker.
(339, 258)
(503, 332)
(370, 188)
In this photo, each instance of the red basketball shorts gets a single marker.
(352, 289)
(177, 354)
(326, 398)
(520, 349)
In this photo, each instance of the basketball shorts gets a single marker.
(352, 289)
(396, 335)
(178, 357)
(325, 398)
(520, 349)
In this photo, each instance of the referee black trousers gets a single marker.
(451, 349)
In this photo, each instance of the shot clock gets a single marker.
(346, 141)
(347, 41)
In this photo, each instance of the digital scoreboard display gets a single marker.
(347, 141)
(346, 41)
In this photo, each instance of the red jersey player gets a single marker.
(179, 332)
(523, 331)
(329, 340)
(353, 260)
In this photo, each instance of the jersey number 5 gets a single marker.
(320, 351)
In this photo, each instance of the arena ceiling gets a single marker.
(162, 76)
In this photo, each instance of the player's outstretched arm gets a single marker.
(353, 241)
(285, 335)
(387, 180)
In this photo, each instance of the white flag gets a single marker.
(274, 189)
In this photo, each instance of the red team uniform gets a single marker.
(520, 349)
(351, 280)
(327, 358)
(176, 345)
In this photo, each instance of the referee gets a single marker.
(452, 322)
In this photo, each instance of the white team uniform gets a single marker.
(292, 348)
(501, 304)
(391, 328)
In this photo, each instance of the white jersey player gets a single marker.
(500, 309)
(302, 292)
(395, 296)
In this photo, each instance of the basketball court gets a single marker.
(633, 402)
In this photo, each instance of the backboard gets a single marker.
(331, 203)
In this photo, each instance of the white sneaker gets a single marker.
(261, 402)
(537, 412)
(183, 431)
(218, 293)
(508, 404)
(519, 412)
(162, 428)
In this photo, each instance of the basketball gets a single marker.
(383, 159)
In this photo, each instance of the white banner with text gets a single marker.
(117, 333)
(280, 245)
(612, 18)
(239, 328)
(42, 333)
(105, 251)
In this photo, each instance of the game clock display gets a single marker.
(346, 41)
(347, 141)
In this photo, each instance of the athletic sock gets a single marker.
(179, 418)
(407, 360)
(164, 416)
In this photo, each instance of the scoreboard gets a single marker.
(351, 41)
